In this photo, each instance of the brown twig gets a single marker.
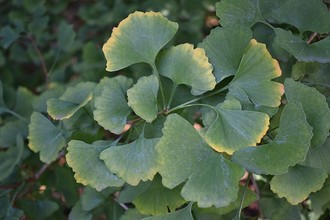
(41, 58)
(311, 38)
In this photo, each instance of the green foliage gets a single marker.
(195, 121)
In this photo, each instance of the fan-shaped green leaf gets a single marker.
(157, 199)
(318, 157)
(73, 99)
(238, 12)
(91, 198)
(77, 212)
(290, 145)
(225, 47)
(279, 209)
(249, 198)
(111, 107)
(44, 137)
(88, 167)
(321, 199)
(315, 107)
(318, 52)
(133, 162)
(185, 65)
(138, 38)
(10, 158)
(10, 130)
(132, 214)
(315, 17)
(254, 75)
(212, 180)
(228, 128)
(142, 97)
(182, 214)
(298, 183)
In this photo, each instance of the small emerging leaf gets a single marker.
(45, 138)
(138, 38)
(288, 148)
(142, 97)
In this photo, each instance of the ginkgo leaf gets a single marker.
(298, 183)
(290, 145)
(157, 199)
(212, 179)
(185, 65)
(249, 198)
(88, 167)
(138, 38)
(254, 75)
(91, 198)
(10, 158)
(9, 132)
(73, 99)
(45, 138)
(3, 106)
(320, 199)
(225, 47)
(279, 209)
(315, 17)
(318, 52)
(111, 108)
(318, 157)
(228, 128)
(182, 214)
(238, 12)
(315, 107)
(142, 97)
(133, 162)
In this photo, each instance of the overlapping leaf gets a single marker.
(111, 106)
(225, 47)
(315, 107)
(318, 157)
(91, 198)
(133, 162)
(228, 128)
(45, 138)
(73, 99)
(138, 38)
(10, 158)
(212, 179)
(289, 147)
(182, 214)
(157, 199)
(315, 17)
(88, 167)
(185, 65)
(320, 201)
(239, 12)
(254, 75)
(318, 52)
(9, 132)
(298, 183)
(142, 97)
